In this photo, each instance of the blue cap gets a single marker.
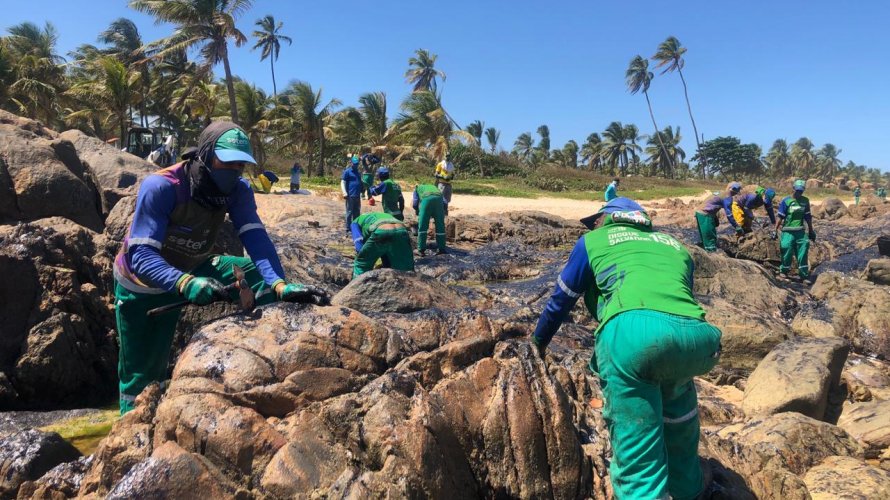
(619, 204)
(383, 172)
(770, 193)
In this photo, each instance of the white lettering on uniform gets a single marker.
(622, 236)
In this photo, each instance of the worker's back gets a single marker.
(635, 267)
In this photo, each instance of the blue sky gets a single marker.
(758, 70)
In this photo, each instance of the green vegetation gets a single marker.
(169, 83)
(86, 432)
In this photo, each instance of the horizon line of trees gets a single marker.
(126, 81)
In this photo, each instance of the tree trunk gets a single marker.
(275, 88)
(658, 135)
(123, 131)
(703, 160)
(320, 170)
(229, 85)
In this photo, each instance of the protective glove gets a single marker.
(812, 235)
(739, 231)
(540, 347)
(202, 291)
(774, 235)
(303, 294)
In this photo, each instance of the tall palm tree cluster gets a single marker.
(125, 81)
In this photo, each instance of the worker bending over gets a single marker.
(741, 217)
(428, 204)
(379, 235)
(390, 193)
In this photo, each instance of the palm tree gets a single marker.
(38, 72)
(778, 158)
(828, 160)
(544, 143)
(524, 147)
(493, 135)
(376, 133)
(670, 54)
(422, 72)
(803, 157)
(570, 154)
(305, 120)
(619, 146)
(424, 126)
(203, 100)
(109, 93)
(475, 129)
(638, 78)
(657, 158)
(269, 38)
(126, 45)
(254, 106)
(205, 24)
(591, 151)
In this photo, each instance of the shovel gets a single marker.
(246, 298)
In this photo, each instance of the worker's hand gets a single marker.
(202, 291)
(343, 196)
(302, 294)
(812, 235)
(774, 235)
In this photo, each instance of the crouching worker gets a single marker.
(380, 236)
(651, 341)
(429, 204)
(166, 255)
(390, 193)
(743, 205)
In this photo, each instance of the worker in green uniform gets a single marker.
(429, 204)
(391, 194)
(794, 210)
(369, 162)
(379, 235)
(857, 192)
(651, 341)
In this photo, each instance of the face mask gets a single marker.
(226, 179)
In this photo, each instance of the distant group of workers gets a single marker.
(383, 235)
(880, 192)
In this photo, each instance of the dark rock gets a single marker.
(28, 455)
(387, 290)
(62, 481)
(878, 271)
(830, 209)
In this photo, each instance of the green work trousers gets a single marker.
(856, 200)
(391, 245)
(646, 361)
(707, 229)
(367, 183)
(795, 243)
(431, 208)
(145, 340)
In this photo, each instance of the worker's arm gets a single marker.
(401, 203)
(727, 208)
(154, 204)
(575, 278)
(253, 235)
(357, 237)
(770, 212)
(378, 189)
(808, 218)
(783, 212)
(415, 202)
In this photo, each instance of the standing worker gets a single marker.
(368, 164)
(794, 210)
(295, 173)
(743, 205)
(351, 188)
(166, 255)
(611, 189)
(391, 194)
(444, 176)
(379, 235)
(651, 341)
(428, 203)
(856, 193)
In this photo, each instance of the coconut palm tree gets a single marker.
(254, 106)
(424, 126)
(569, 154)
(492, 135)
(803, 157)
(620, 146)
(524, 147)
(204, 24)
(475, 129)
(543, 147)
(304, 120)
(779, 159)
(125, 42)
(591, 152)
(657, 159)
(828, 160)
(376, 132)
(268, 39)
(670, 55)
(38, 73)
(638, 79)
(109, 93)
(422, 73)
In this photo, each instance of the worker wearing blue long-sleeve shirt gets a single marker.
(651, 341)
(167, 254)
(741, 217)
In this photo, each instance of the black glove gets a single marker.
(304, 294)
(774, 235)
(202, 291)
(812, 235)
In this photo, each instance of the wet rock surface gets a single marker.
(28, 455)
